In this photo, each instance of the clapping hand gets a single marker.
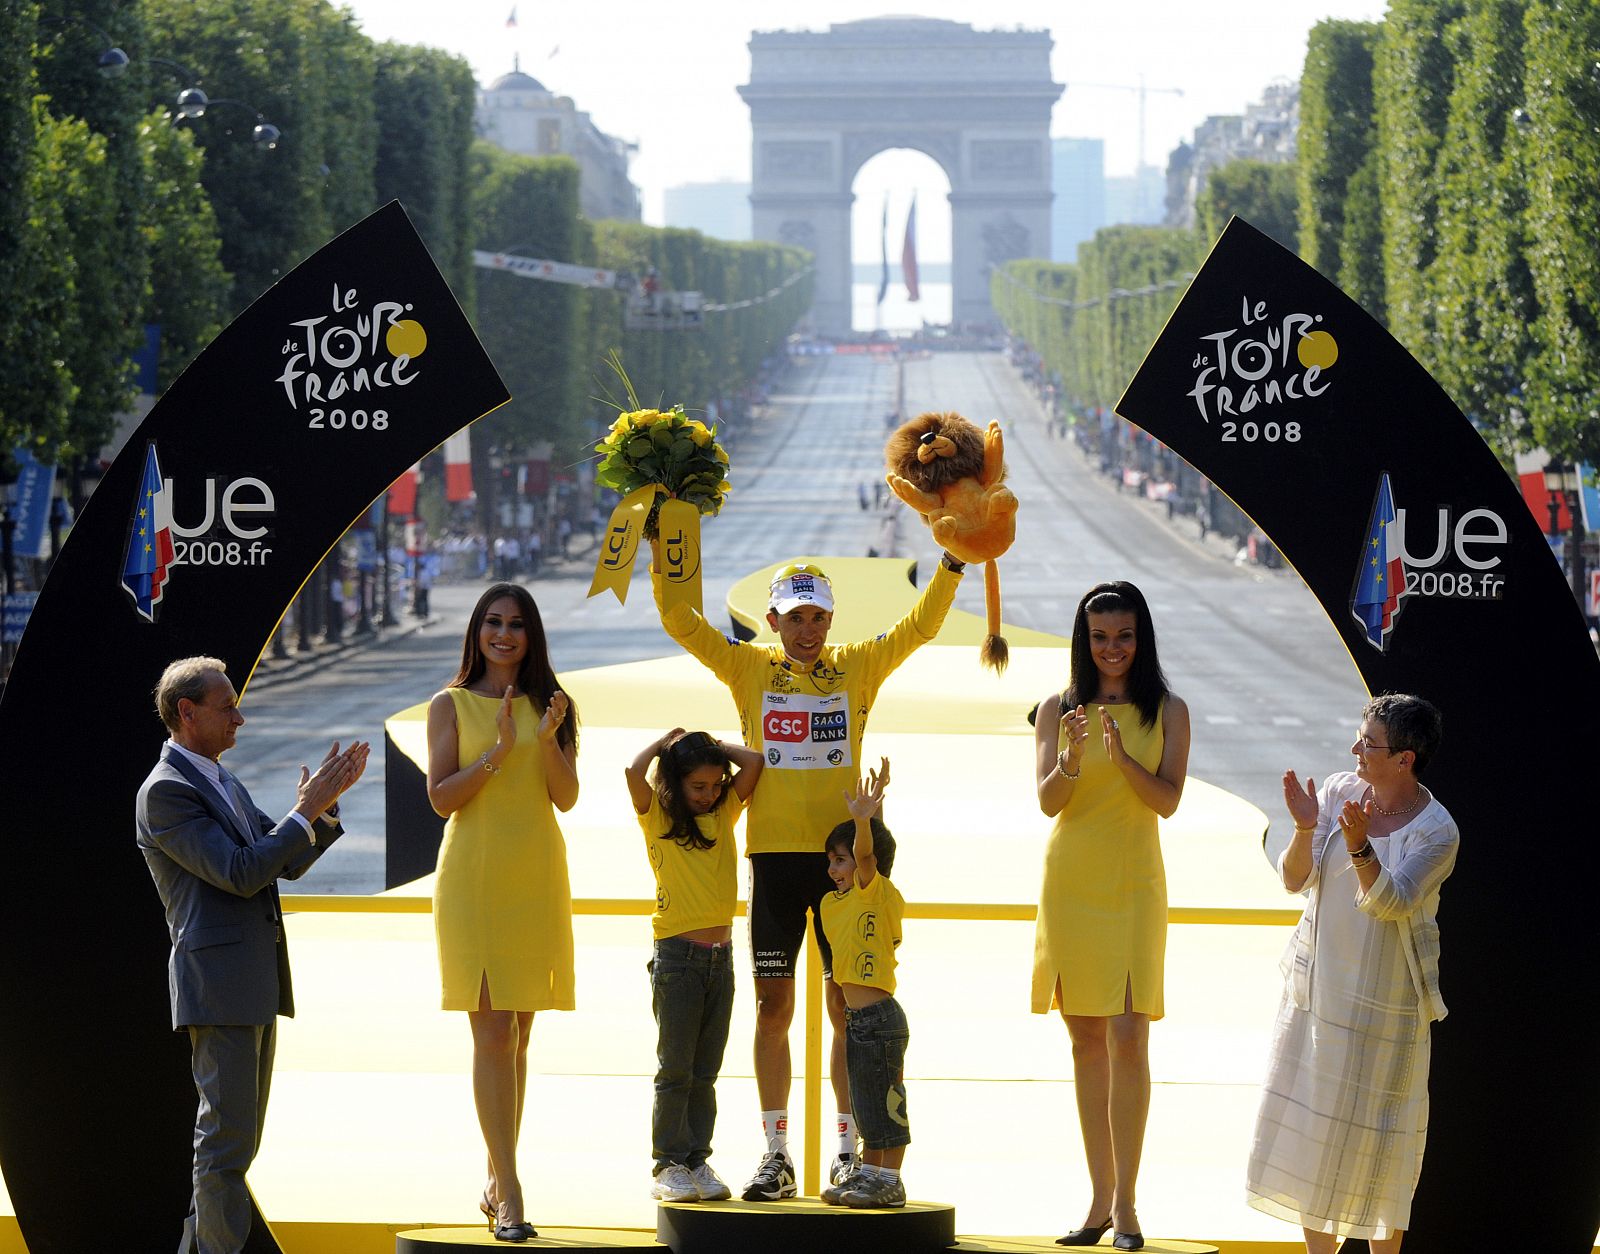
(1075, 727)
(337, 772)
(1301, 802)
(555, 713)
(1353, 821)
(1111, 734)
(505, 723)
(867, 796)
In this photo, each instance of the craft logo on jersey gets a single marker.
(1464, 562)
(1265, 362)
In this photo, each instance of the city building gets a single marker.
(520, 114)
(720, 209)
(1078, 179)
(1267, 130)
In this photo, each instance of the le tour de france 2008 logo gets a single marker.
(339, 366)
(1265, 362)
(1463, 559)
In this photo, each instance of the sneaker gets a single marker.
(773, 1180)
(709, 1185)
(673, 1183)
(845, 1170)
(874, 1194)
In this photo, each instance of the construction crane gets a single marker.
(1143, 92)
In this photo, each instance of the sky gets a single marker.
(665, 76)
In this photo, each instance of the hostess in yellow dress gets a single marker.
(502, 906)
(1103, 907)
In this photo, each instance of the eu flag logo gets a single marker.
(149, 555)
(1381, 577)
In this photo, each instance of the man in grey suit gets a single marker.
(215, 859)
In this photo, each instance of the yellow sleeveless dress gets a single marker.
(501, 901)
(1103, 906)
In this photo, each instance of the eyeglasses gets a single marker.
(797, 568)
(1368, 745)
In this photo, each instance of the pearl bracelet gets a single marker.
(1061, 766)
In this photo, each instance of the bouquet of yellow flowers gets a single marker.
(678, 453)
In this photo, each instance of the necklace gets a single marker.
(1415, 802)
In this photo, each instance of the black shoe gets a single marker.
(1085, 1236)
(1128, 1241)
(773, 1181)
(514, 1232)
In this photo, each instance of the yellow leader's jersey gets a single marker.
(807, 725)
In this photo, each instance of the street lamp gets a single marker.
(1564, 481)
(112, 61)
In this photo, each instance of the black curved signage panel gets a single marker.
(1423, 554)
(237, 483)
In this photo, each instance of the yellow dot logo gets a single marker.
(406, 338)
(1317, 349)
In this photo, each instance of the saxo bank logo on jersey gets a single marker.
(1265, 363)
(232, 530)
(1466, 562)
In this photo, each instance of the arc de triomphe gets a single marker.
(822, 104)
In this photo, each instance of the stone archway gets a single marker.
(822, 104)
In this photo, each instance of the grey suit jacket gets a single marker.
(229, 962)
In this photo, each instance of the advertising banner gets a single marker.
(244, 474)
(1429, 565)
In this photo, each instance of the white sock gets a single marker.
(775, 1123)
(869, 1171)
(891, 1174)
(847, 1132)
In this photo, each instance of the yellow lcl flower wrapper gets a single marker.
(679, 529)
(620, 543)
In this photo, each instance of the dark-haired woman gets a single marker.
(502, 749)
(687, 814)
(1113, 752)
(1344, 1112)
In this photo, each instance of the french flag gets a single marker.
(458, 466)
(908, 254)
(1381, 579)
(150, 552)
(403, 493)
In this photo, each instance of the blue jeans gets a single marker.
(875, 1053)
(691, 989)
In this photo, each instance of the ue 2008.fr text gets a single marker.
(219, 553)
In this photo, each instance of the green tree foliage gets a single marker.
(297, 62)
(424, 103)
(1361, 240)
(1115, 300)
(189, 288)
(1263, 193)
(1338, 131)
(1563, 171)
(1413, 77)
(31, 378)
(1478, 282)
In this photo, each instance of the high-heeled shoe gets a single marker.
(488, 1208)
(517, 1232)
(1128, 1241)
(1085, 1236)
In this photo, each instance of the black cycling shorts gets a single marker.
(783, 886)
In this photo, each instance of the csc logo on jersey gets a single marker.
(789, 725)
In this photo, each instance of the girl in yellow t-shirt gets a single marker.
(687, 814)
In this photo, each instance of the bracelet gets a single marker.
(952, 565)
(1061, 766)
(488, 765)
(1305, 828)
(1363, 854)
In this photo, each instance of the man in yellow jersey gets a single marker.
(803, 704)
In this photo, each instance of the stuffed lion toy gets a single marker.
(952, 474)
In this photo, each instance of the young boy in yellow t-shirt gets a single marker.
(862, 921)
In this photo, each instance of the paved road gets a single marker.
(1268, 682)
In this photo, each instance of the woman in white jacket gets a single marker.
(1344, 1112)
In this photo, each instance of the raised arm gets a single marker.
(698, 638)
(863, 804)
(919, 626)
(1162, 789)
(637, 771)
(748, 765)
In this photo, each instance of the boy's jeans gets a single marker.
(692, 996)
